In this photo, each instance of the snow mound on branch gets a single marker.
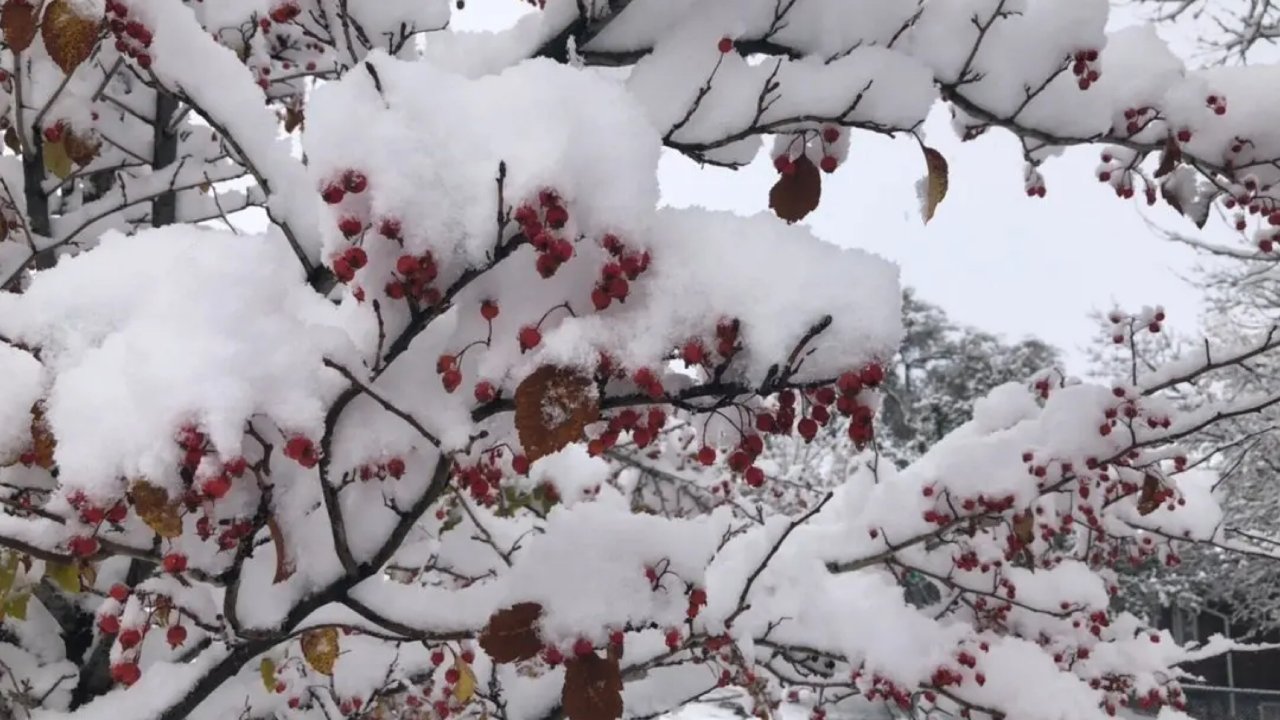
(18, 392)
(431, 144)
(679, 298)
(167, 327)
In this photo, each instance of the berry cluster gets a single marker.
(1086, 68)
(537, 223)
(133, 38)
(643, 428)
(301, 450)
(393, 468)
(414, 275)
(1216, 103)
(144, 614)
(616, 273)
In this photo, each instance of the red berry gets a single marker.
(175, 563)
(119, 592)
(1265, 245)
(530, 337)
(297, 447)
(354, 181)
(485, 391)
(83, 546)
(754, 476)
(389, 228)
(333, 194)
(216, 487)
(125, 673)
(600, 298)
(408, 265)
(830, 134)
(109, 624)
(395, 468)
(520, 464)
(552, 655)
(725, 45)
(437, 657)
(54, 132)
(356, 257)
(784, 165)
(451, 379)
(130, 638)
(394, 290)
(808, 428)
(872, 375)
(693, 353)
(488, 309)
(707, 455)
(583, 647)
(557, 216)
(350, 225)
(673, 638)
(176, 636)
(828, 164)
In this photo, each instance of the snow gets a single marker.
(133, 340)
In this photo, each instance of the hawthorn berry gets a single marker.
(489, 310)
(520, 464)
(333, 194)
(119, 592)
(126, 673)
(828, 164)
(130, 638)
(451, 379)
(350, 225)
(485, 391)
(725, 45)
(395, 468)
(354, 182)
(175, 563)
(583, 647)
(530, 337)
(109, 624)
(176, 635)
(216, 487)
(707, 455)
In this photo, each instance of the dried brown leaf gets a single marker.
(592, 688)
(798, 192)
(320, 648)
(154, 508)
(553, 406)
(1169, 158)
(69, 37)
(82, 149)
(1149, 497)
(18, 20)
(284, 564)
(42, 441)
(1024, 527)
(512, 633)
(935, 183)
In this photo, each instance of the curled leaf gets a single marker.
(284, 564)
(933, 188)
(154, 508)
(267, 669)
(465, 688)
(797, 192)
(64, 575)
(553, 406)
(68, 36)
(320, 648)
(1149, 497)
(56, 159)
(18, 20)
(82, 148)
(592, 688)
(512, 633)
(42, 440)
(1169, 158)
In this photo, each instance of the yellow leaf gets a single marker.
(320, 648)
(935, 183)
(69, 37)
(8, 572)
(65, 576)
(466, 685)
(56, 159)
(267, 669)
(152, 505)
(16, 606)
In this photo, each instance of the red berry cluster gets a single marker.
(537, 223)
(1086, 68)
(133, 38)
(1217, 103)
(346, 263)
(1033, 181)
(302, 450)
(415, 275)
(393, 468)
(483, 479)
(1137, 118)
(615, 275)
(643, 428)
(648, 382)
(285, 12)
(125, 669)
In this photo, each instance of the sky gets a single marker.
(991, 257)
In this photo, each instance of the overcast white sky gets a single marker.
(991, 257)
